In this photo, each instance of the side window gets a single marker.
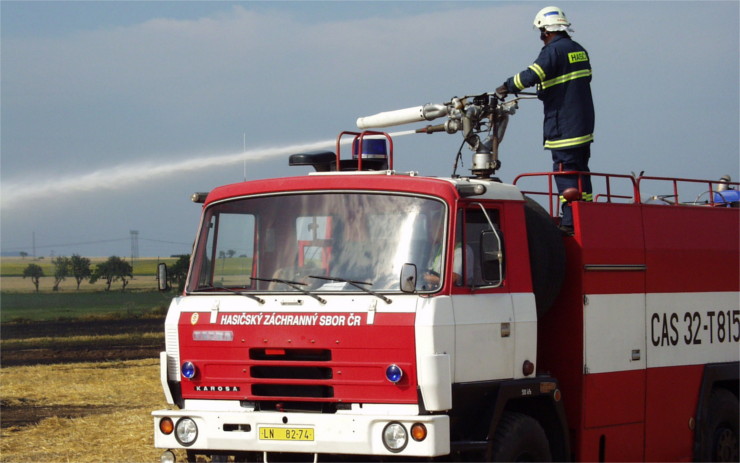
(230, 250)
(479, 235)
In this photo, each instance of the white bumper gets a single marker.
(357, 431)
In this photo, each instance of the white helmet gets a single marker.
(552, 19)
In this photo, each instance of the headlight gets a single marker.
(395, 437)
(186, 432)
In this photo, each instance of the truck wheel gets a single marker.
(519, 438)
(721, 430)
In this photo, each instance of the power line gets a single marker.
(167, 242)
(86, 243)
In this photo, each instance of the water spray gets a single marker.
(17, 191)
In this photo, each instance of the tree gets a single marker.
(179, 271)
(111, 270)
(34, 272)
(62, 269)
(80, 269)
(23, 254)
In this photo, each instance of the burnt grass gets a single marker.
(81, 327)
(81, 352)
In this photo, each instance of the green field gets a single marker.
(32, 306)
(20, 302)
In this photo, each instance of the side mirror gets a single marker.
(491, 257)
(162, 280)
(408, 278)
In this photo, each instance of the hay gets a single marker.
(130, 388)
(135, 383)
(123, 436)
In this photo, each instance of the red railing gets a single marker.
(632, 191)
(357, 141)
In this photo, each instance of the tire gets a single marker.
(519, 437)
(721, 430)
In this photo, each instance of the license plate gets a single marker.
(291, 434)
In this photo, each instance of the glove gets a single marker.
(502, 91)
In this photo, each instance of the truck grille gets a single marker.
(281, 368)
(296, 390)
(298, 355)
(281, 372)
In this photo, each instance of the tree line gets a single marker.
(112, 270)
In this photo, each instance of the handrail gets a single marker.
(636, 181)
(359, 136)
(711, 184)
(553, 195)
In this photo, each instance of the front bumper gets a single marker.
(357, 431)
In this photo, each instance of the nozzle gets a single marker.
(430, 129)
(450, 126)
(402, 116)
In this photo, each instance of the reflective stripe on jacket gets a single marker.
(562, 74)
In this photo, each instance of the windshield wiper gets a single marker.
(241, 293)
(356, 284)
(293, 284)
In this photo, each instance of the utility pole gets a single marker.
(134, 247)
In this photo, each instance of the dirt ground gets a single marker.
(17, 413)
(79, 328)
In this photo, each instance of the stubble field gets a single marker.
(79, 372)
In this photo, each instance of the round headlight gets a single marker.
(186, 431)
(395, 437)
(393, 373)
(188, 370)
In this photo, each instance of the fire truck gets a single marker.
(359, 312)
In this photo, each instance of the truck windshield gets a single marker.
(286, 243)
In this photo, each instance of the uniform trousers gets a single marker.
(573, 159)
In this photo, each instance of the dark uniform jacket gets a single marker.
(562, 73)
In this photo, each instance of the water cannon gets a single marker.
(428, 112)
(471, 115)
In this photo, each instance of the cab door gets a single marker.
(482, 307)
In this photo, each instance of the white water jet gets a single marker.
(16, 191)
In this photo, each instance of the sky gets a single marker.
(113, 113)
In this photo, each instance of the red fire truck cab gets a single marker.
(378, 314)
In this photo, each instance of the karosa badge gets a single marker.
(217, 388)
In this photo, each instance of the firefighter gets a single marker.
(562, 74)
